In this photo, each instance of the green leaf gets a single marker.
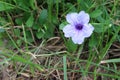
(99, 27)
(62, 25)
(55, 19)
(19, 21)
(71, 46)
(29, 36)
(40, 34)
(17, 32)
(93, 41)
(43, 16)
(71, 7)
(23, 4)
(32, 4)
(19, 42)
(30, 21)
(49, 30)
(96, 13)
(6, 6)
(36, 26)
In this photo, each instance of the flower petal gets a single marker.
(72, 18)
(69, 30)
(88, 30)
(78, 38)
(83, 17)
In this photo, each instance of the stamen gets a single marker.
(79, 26)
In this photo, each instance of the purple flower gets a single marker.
(78, 27)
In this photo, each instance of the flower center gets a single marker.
(79, 26)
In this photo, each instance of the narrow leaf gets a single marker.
(6, 6)
(30, 21)
(96, 13)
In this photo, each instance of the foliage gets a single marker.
(32, 41)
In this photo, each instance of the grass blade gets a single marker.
(65, 67)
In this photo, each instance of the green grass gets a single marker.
(32, 41)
